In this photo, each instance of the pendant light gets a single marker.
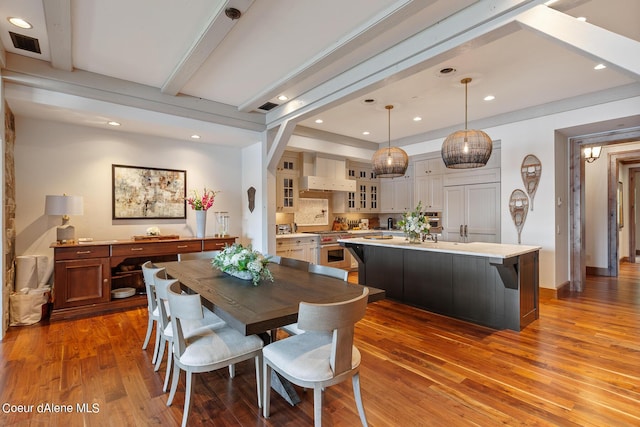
(468, 148)
(390, 162)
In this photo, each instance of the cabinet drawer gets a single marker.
(81, 252)
(158, 248)
(217, 244)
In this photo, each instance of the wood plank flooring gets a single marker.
(578, 365)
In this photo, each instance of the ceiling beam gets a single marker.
(279, 145)
(472, 27)
(378, 24)
(209, 39)
(38, 74)
(58, 18)
(585, 38)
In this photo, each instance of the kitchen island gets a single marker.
(490, 284)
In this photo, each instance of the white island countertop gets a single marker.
(492, 250)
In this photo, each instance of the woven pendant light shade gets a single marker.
(390, 162)
(468, 148)
(476, 154)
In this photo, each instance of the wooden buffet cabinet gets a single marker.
(85, 274)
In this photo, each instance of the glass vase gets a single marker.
(413, 237)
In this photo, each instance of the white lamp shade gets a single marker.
(64, 205)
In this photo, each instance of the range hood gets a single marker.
(324, 174)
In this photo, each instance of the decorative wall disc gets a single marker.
(518, 206)
(531, 170)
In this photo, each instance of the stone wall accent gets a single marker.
(9, 210)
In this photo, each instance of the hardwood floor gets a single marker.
(578, 365)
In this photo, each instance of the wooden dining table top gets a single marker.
(256, 309)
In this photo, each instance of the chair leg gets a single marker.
(266, 388)
(148, 336)
(174, 383)
(259, 378)
(157, 345)
(317, 406)
(356, 393)
(187, 398)
(160, 354)
(168, 373)
(232, 371)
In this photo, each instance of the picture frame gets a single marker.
(148, 193)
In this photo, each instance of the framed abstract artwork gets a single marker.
(148, 193)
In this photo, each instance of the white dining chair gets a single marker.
(149, 271)
(325, 270)
(164, 322)
(206, 348)
(321, 357)
(197, 255)
(294, 263)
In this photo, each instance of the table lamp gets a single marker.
(64, 205)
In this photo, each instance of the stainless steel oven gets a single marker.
(331, 253)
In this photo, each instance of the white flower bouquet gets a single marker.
(243, 262)
(414, 224)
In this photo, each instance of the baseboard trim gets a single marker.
(561, 291)
(598, 271)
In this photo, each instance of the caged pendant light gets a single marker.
(468, 148)
(390, 162)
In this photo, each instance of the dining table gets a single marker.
(269, 305)
(264, 308)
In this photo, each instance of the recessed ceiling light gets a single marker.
(417, 119)
(366, 132)
(112, 123)
(318, 121)
(194, 136)
(282, 98)
(600, 67)
(582, 18)
(489, 98)
(19, 22)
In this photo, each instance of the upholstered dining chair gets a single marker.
(207, 348)
(294, 263)
(149, 271)
(323, 356)
(325, 270)
(197, 255)
(209, 319)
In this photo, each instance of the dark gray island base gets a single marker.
(485, 283)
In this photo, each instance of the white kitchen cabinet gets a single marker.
(428, 167)
(429, 191)
(302, 248)
(471, 213)
(396, 193)
(286, 191)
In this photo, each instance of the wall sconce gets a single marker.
(64, 205)
(591, 154)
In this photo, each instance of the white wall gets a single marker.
(252, 161)
(56, 158)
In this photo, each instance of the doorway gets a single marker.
(578, 205)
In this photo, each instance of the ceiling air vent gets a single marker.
(25, 42)
(267, 106)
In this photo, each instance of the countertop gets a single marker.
(493, 250)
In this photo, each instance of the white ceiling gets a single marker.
(175, 68)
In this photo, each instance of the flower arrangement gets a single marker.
(243, 262)
(414, 224)
(204, 202)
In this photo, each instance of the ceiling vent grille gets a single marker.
(25, 42)
(267, 106)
